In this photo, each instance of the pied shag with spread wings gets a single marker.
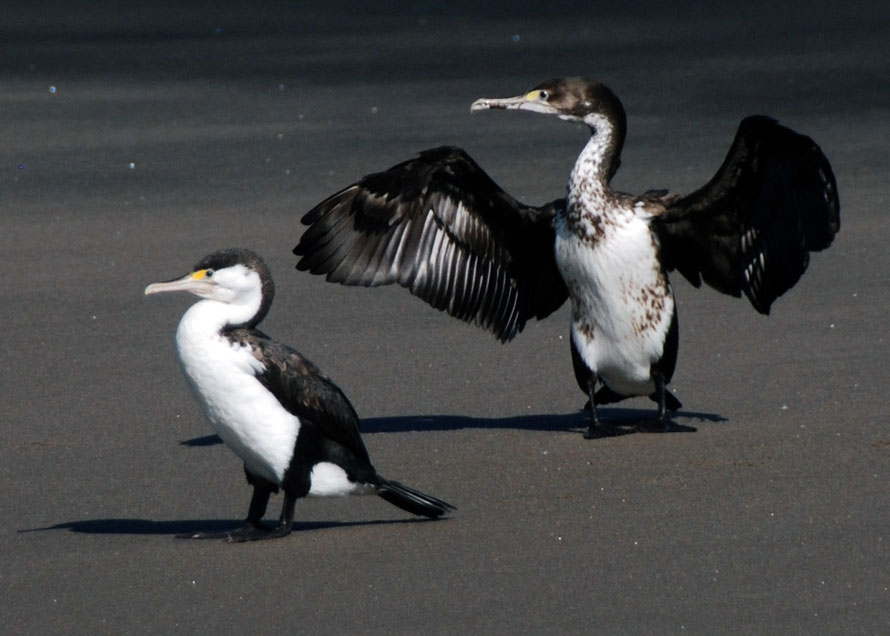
(439, 226)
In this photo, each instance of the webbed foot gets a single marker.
(247, 532)
(597, 431)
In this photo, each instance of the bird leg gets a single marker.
(253, 528)
(596, 429)
(286, 520)
(662, 422)
(662, 415)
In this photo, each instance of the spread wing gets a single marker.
(752, 227)
(304, 390)
(439, 226)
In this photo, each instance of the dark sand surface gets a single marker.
(134, 141)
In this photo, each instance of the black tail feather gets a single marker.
(411, 500)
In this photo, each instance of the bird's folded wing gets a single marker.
(305, 391)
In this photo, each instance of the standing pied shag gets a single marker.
(293, 428)
(438, 225)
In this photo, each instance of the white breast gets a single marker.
(246, 416)
(621, 301)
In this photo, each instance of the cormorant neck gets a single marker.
(212, 316)
(598, 161)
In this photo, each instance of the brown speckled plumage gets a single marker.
(749, 230)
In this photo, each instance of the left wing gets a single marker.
(752, 227)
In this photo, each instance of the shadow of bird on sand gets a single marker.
(624, 420)
(187, 527)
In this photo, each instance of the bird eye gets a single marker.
(543, 95)
(209, 273)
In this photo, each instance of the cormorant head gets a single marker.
(573, 99)
(235, 277)
(570, 98)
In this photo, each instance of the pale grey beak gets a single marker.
(195, 283)
(534, 101)
(496, 103)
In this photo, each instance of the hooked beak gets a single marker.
(196, 283)
(532, 101)
(498, 103)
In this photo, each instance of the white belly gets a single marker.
(621, 303)
(246, 416)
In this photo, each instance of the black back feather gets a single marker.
(302, 389)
